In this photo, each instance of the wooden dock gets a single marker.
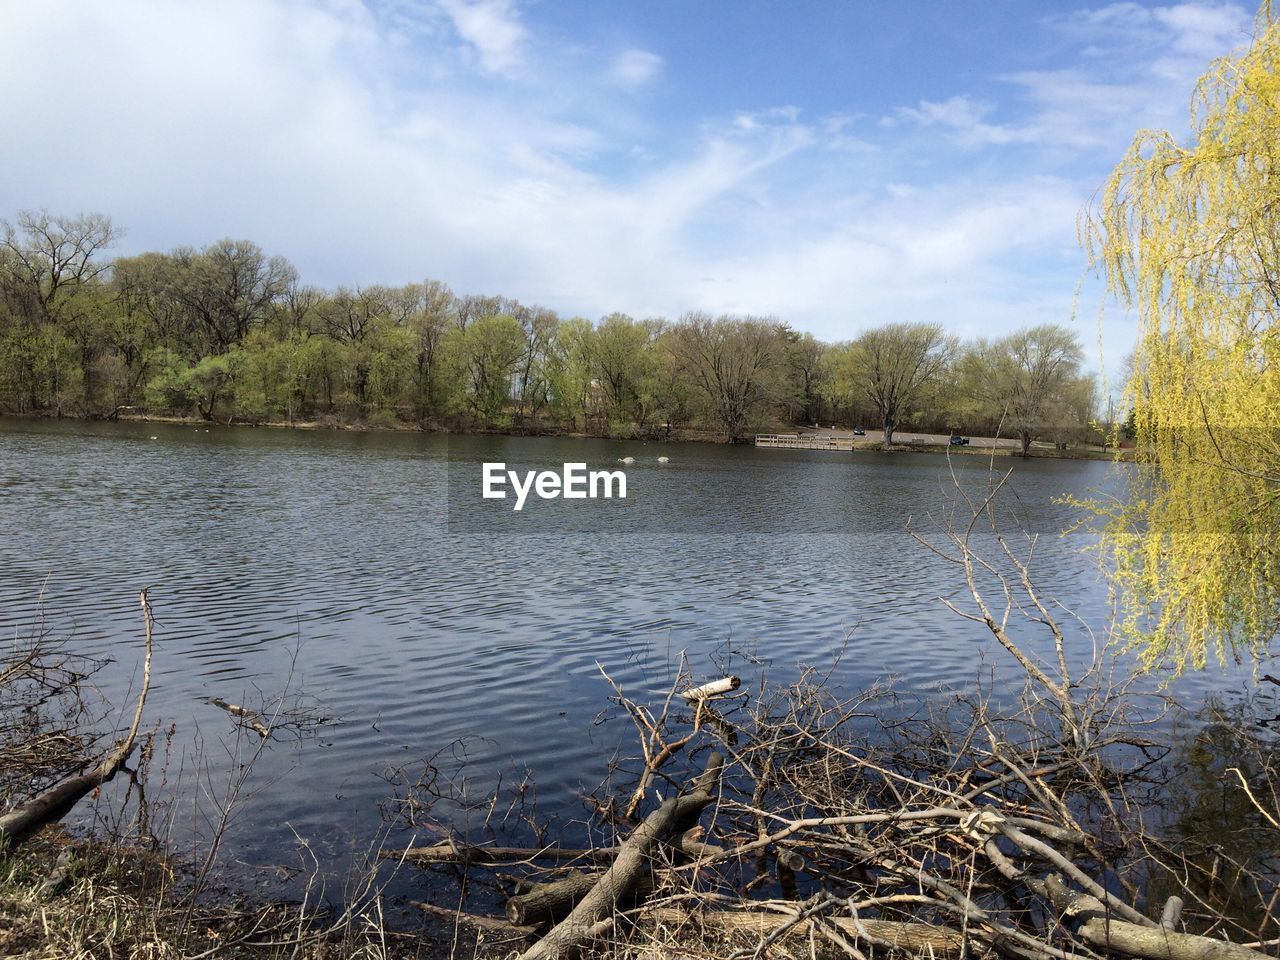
(791, 441)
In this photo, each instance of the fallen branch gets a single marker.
(452, 852)
(251, 718)
(675, 816)
(494, 925)
(708, 691)
(1098, 892)
(1100, 930)
(551, 902)
(26, 819)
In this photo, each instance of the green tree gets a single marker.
(491, 349)
(169, 386)
(571, 372)
(214, 380)
(806, 359)
(52, 310)
(436, 377)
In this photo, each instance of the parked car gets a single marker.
(859, 432)
(959, 441)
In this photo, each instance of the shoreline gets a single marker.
(72, 892)
(677, 435)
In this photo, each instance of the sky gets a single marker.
(835, 164)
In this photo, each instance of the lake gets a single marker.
(365, 570)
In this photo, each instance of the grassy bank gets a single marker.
(63, 898)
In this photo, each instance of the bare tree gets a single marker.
(734, 363)
(45, 258)
(1029, 378)
(224, 291)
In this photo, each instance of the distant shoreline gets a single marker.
(915, 443)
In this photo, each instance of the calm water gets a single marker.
(420, 615)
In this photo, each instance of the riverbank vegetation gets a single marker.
(229, 332)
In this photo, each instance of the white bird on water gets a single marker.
(626, 459)
(664, 459)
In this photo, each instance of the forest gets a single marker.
(230, 333)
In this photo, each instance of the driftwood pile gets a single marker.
(798, 820)
(815, 823)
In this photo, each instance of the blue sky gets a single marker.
(835, 164)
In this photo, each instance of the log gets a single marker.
(552, 902)
(1099, 930)
(251, 718)
(1150, 943)
(673, 817)
(716, 688)
(916, 939)
(495, 925)
(789, 859)
(452, 852)
(20, 823)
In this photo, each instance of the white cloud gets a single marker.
(964, 117)
(1204, 31)
(635, 68)
(492, 27)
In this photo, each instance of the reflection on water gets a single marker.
(1224, 856)
(418, 617)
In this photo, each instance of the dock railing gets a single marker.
(805, 441)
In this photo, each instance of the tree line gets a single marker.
(229, 332)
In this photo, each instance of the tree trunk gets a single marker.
(1103, 931)
(674, 817)
(552, 902)
(450, 852)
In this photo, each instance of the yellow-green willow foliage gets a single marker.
(1190, 238)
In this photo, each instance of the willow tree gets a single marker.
(1189, 237)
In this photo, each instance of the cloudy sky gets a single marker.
(837, 164)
